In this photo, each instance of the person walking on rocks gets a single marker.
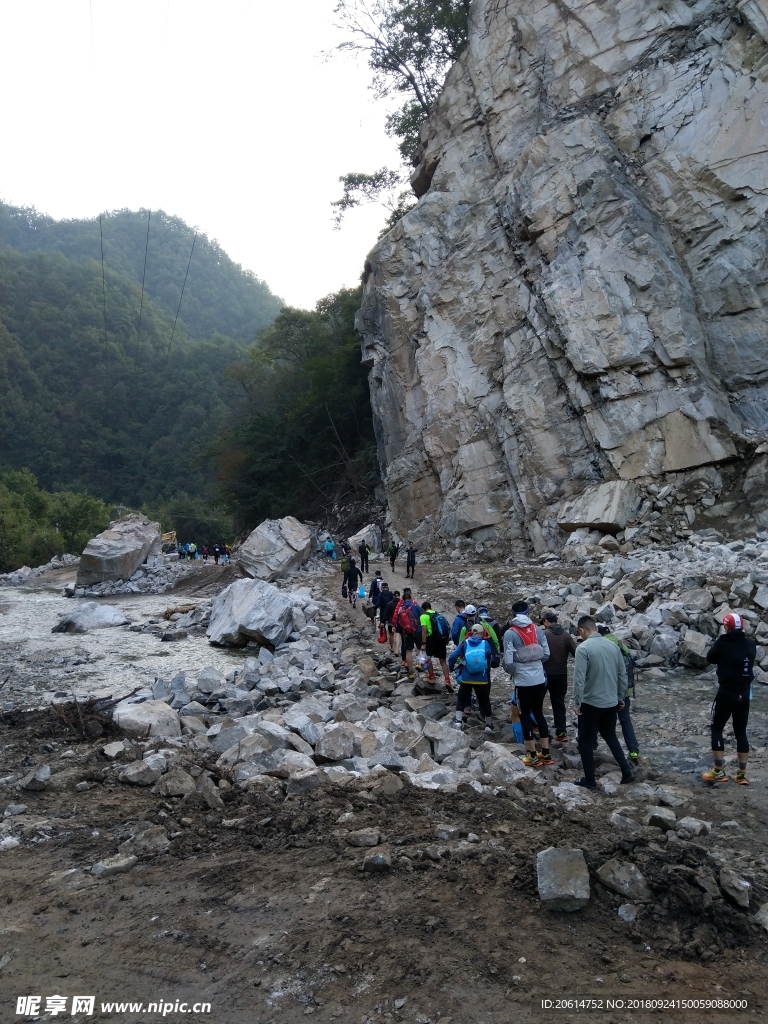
(625, 718)
(393, 551)
(374, 591)
(389, 601)
(435, 634)
(472, 661)
(406, 619)
(216, 553)
(352, 578)
(364, 551)
(525, 648)
(561, 646)
(734, 655)
(459, 622)
(599, 684)
(330, 549)
(410, 560)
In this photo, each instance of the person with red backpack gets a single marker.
(525, 648)
(406, 619)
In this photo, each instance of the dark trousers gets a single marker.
(483, 691)
(530, 704)
(557, 686)
(410, 568)
(592, 721)
(627, 728)
(364, 561)
(736, 708)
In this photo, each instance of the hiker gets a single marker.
(435, 633)
(216, 553)
(561, 646)
(734, 654)
(330, 549)
(374, 590)
(472, 616)
(410, 560)
(205, 552)
(352, 578)
(525, 648)
(406, 618)
(459, 622)
(472, 661)
(364, 551)
(392, 551)
(599, 682)
(625, 719)
(346, 550)
(382, 597)
(389, 601)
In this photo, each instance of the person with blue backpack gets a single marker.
(472, 661)
(435, 634)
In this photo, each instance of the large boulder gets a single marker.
(90, 615)
(371, 535)
(274, 548)
(605, 507)
(693, 649)
(149, 718)
(250, 610)
(563, 879)
(117, 553)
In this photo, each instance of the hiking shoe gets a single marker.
(411, 675)
(532, 760)
(457, 725)
(561, 737)
(627, 779)
(545, 758)
(490, 728)
(740, 778)
(714, 775)
(585, 784)
(634, 757)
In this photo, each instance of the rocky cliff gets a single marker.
(580, 294)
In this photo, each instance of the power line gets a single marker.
(167, 354)
(143, 278)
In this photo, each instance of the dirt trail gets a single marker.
(263, 909)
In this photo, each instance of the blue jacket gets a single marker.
(458, 654)
(458, 624)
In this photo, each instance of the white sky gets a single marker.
(224, 113)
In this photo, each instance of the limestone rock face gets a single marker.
(274, 548)
(117, 553)
(579, 296)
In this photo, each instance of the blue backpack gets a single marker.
(476, 658)
(440, 625)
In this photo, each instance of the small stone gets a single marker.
(400, 1003)
(364, 837)
(140, 773)
(82, 787)
(37, 779)
(113, 750)
(660, 817)
(628, 913)
(448, 832)
(176, 783)
(378, 859)
(116, 865)
(625, 879)
(563, 879)
(762, 916)
(737, 888)
(13, 809)
(620, 821)
(148, 843)
(695, 826)
(9, 843)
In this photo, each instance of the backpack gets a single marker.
(406, 620)
(531, 649)
(486, 620)
(475, 659)
(440, 626)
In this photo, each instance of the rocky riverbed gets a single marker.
(284, 873)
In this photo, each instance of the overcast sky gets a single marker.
(224, 113)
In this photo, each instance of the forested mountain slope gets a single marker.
(219, 295)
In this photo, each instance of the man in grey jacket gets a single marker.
(525, 647)
(599, 685)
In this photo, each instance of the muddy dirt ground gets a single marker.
(263, 910)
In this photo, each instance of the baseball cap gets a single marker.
(732, 621)
(550, 616)
(470, 610)
(477, 628)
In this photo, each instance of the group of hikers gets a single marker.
(536, 658)
(190, 551)
(364, 552)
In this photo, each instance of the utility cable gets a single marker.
(167, 354)
(143, 278)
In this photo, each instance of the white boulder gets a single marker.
(90, 615)
(274, 548)
(606, 507)
(150, 718)
(250, 610)
(117, 553)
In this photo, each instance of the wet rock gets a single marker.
(149, 842)
(116, 865)
(563, 879)
(149, 718)
(624, 878)
(90, 615)
(275, 548)
(364, 837)
(36, 779)
(737, 888)
(378, 860)
(660, 817)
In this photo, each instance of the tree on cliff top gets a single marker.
(409, 46)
